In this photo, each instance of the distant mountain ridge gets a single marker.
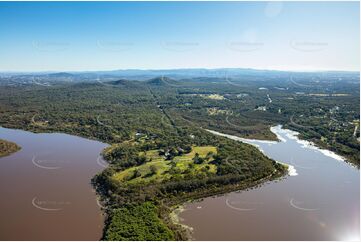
(171, 76)
(60, 74)
(171, 72)
(162, 81)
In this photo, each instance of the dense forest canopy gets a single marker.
(160, 153)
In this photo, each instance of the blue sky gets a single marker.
(71, 36)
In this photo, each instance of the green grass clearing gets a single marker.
(158, 169)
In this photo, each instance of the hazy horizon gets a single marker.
(174, 69)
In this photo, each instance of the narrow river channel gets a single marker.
(319, 201)
(45, 187)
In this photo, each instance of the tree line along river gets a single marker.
(47, 195)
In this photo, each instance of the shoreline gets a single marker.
(9, 134)
(294, 135)
(291, 169)
(177, 220)
(104, 207)
(290, 134)
(179, 208)
(51, 131)
(176, 208)
(311, 145)
(174, 215)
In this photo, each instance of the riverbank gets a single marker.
(291, 169)
(179, 207)
(325, 189)
(201, 193)
(291, 134)
(169, 208)
(335, 150)
(327, 149)
(8, 148)
(128, 188)
(320, 147)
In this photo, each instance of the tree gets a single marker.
(209, 155)
(197, 159)
(153, 169)
(136, 173)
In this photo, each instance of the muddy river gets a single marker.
(45, 188)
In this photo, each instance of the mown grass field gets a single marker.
(158, 169)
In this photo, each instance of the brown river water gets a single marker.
(46, 194)
(45, 188)
(319, 201)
